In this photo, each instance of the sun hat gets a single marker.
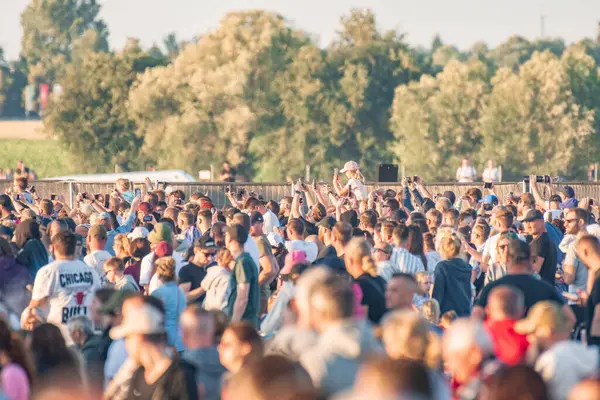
(146, 320)
(350, 166)
(138, 233)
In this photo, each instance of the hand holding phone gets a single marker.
(138, 193)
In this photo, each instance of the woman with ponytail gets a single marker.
(17, 371)
(362, 268)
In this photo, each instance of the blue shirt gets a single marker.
(123, 229)
(174, 301)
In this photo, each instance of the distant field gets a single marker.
(26, 130)
(45, 156)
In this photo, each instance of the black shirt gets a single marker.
(177, 383)
(327, 251)
(590, 312)
(534, 290)
(193, 274)
(545, 248)
(373, 291)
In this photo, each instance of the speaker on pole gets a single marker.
(387, 173)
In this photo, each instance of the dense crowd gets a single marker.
(331, 292)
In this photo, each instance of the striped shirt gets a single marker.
(406, 262)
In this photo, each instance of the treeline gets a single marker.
(262, 94)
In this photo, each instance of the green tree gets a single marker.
(436, 120)
(51, 28)
(90, 118)
(532, 123)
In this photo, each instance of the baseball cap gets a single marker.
(492, 199)
(291, 259)
(545, 314)
(205, 203)
(6, 202)
(256, 217)
(6, 231)
(532, 215)
(205, 243)
(569, 191)
(161, 232)
(98, 232)
(275, 239)
(115, 302)
(138, 233)
(349, 166)
(163, 249)
(102, 216)
(145, 320)
(327, 222)
(145, 207)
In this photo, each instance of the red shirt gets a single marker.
(509, 346)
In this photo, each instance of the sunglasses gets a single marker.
(568, 221)
(381, 251)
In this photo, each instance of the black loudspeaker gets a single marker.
(387, 173)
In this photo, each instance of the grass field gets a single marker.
(25, 140)
(46, 157)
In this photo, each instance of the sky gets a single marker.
(459, 22)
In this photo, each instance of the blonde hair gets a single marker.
(224, 257)
(410, 336)
(355, 174)
(122, 184)
(450, 245)
(165, 269)
(431, 311)
(359, 251)
(448, 318)
(122, 243)
(421, 275)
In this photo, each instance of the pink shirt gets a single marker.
(15, 384)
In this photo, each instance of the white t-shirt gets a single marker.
(271, 222)
(491, 175)
(309, 248)
(96, 260)
(251, 248)
(146, 277)
(491, 248)
(69, 286)
(358, 189)
(467, 174)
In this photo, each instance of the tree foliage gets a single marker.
(90, 118)
(51, 30)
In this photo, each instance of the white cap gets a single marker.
(138, 233)
(275, 239)
(146, 320)
(350, 166)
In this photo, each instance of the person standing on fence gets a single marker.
(491, 173)
(466, 172)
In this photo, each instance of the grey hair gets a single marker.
(307, 281)
(81, 323)
(465, 333)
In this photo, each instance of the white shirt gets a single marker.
(491, 248)
(251, 248)
(491, 175)
(69, 286)
(309, 248)
(146, 277)
(466, 174)
(358, 189)
(96, 260)
(433, 258)
(271, 221)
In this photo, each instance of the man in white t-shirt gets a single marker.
(97, 256)
(295, 232)
(466, 172)
(66, 286)
(270, 219)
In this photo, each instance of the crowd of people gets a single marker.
(331, 292)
